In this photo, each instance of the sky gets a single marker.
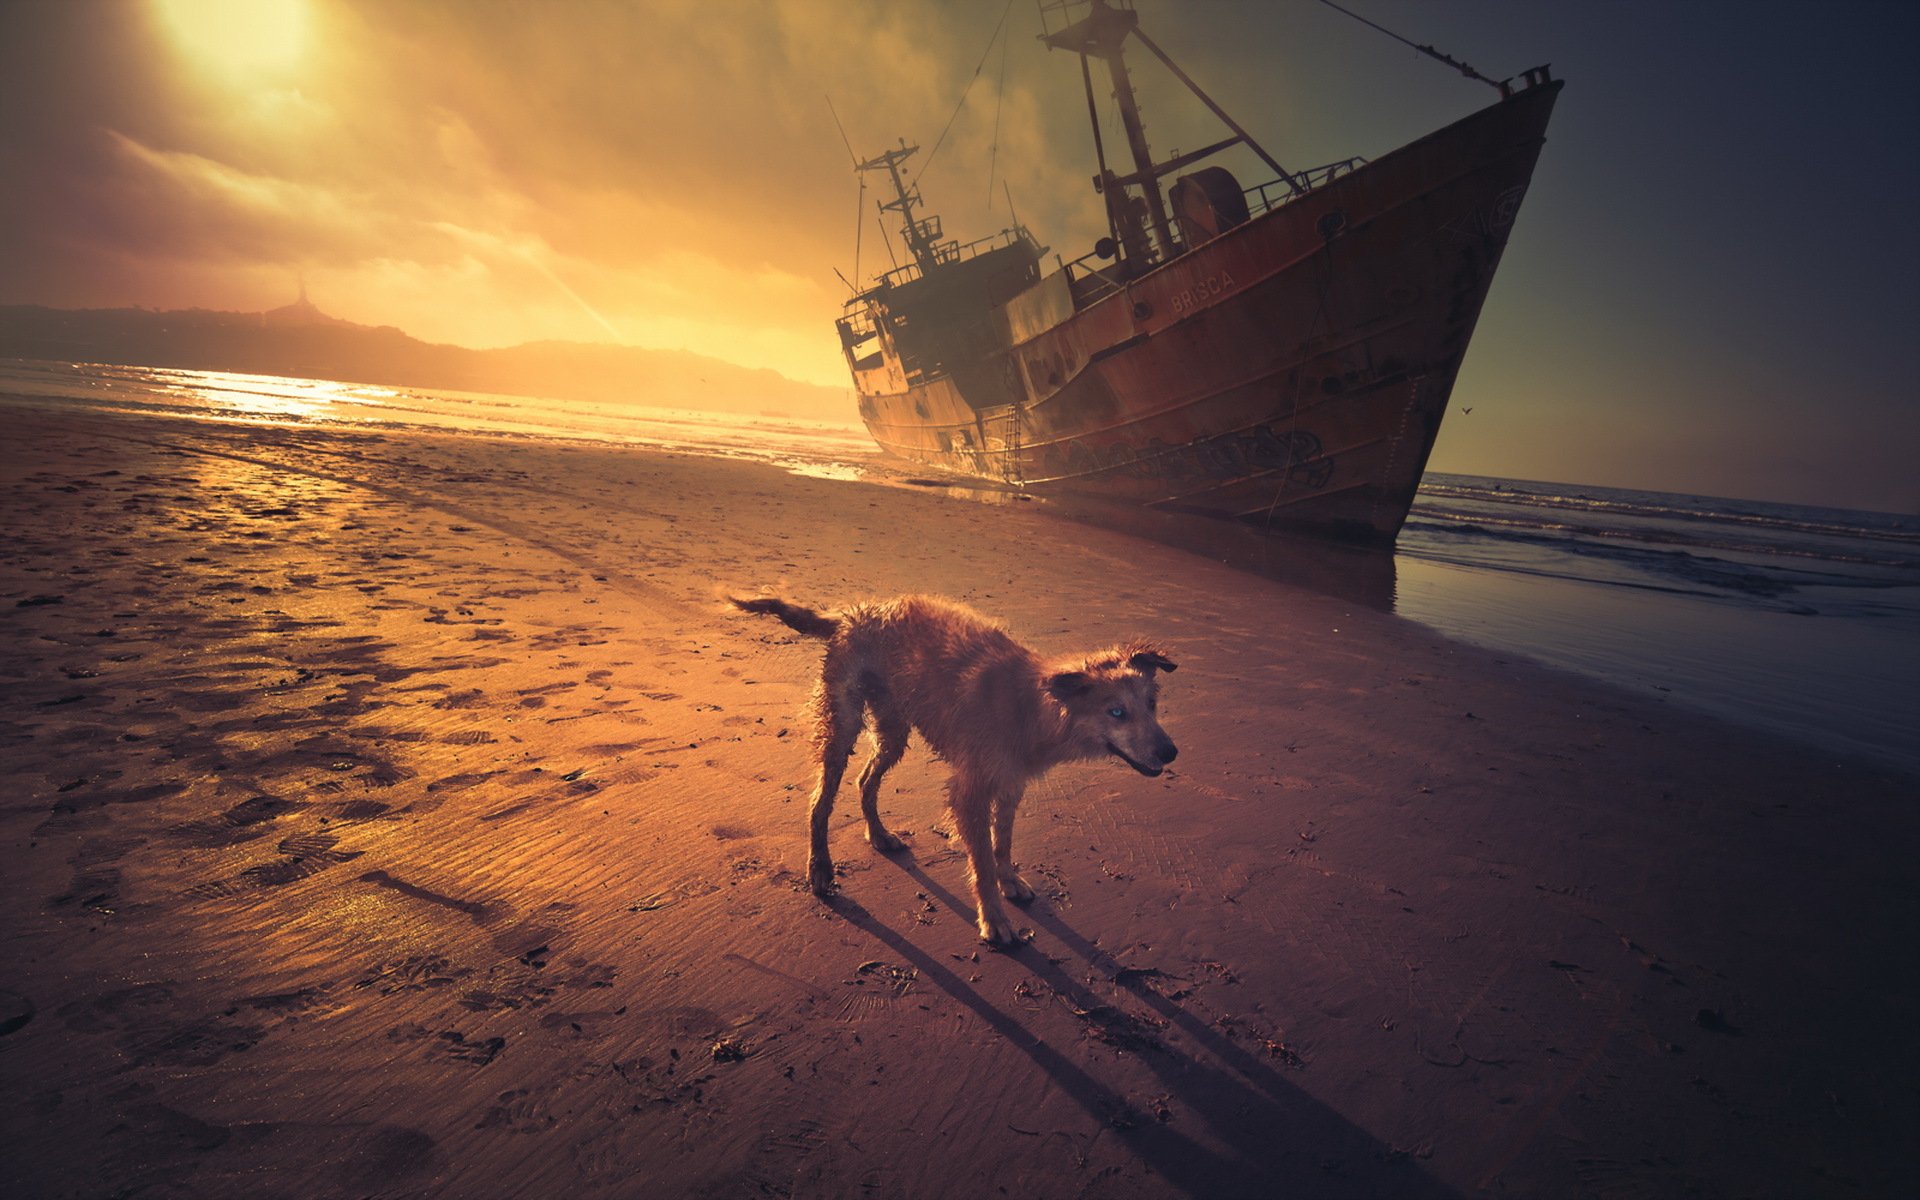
(1709, 289)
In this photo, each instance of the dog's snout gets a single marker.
(1166, 752)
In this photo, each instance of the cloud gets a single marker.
(667, 173)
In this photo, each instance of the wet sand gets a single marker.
(403, 815)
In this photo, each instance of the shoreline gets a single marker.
(1837, 674)
(400, 813)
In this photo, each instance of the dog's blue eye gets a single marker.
(1117, 713)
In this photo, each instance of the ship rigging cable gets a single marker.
(999, 93)
(1429, 51)
(859, 204)
(998, 26)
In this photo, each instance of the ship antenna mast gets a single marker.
(922, 236)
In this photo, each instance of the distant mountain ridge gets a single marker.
(301, 341)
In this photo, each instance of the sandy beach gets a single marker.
(404, 815)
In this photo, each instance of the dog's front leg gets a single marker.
(1012, 886)
(973, 817)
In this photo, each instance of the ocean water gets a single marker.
(826, 449)
(1798, 620)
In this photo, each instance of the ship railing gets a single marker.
(857, 326)
(927, 229)
(952, 252)
(1263, 197)
(1088, 282)
(1091, 282)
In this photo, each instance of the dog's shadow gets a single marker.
(1265, 1135)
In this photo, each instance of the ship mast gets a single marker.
(1102, 34)
(922, 236)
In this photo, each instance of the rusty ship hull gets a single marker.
(1292, 370)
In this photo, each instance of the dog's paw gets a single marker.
(996, 930)
(1016, 889)
(884, 842)
(820, 876)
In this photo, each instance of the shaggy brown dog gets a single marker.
(984, 703)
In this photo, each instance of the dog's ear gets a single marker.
(1148, 660)
(1065, 685)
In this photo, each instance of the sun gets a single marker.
(242, 38)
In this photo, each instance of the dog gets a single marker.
(999, 715)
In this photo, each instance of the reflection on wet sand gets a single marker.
(1350, 571)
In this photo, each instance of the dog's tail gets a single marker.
(796, 618)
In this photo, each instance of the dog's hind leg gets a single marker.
(972, 805)
(838, 712)
(890, 731)
(1012, 886)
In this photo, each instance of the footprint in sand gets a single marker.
(460, 782)
(257, 810)
(450, 1045)
(140, 1015)
(385, 1155)
(279, 874)
(95, 888)
(196, 1044)
(532, 982)
(15, 1011)
(291, 1005)
(522, 1110)
(415, 973)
